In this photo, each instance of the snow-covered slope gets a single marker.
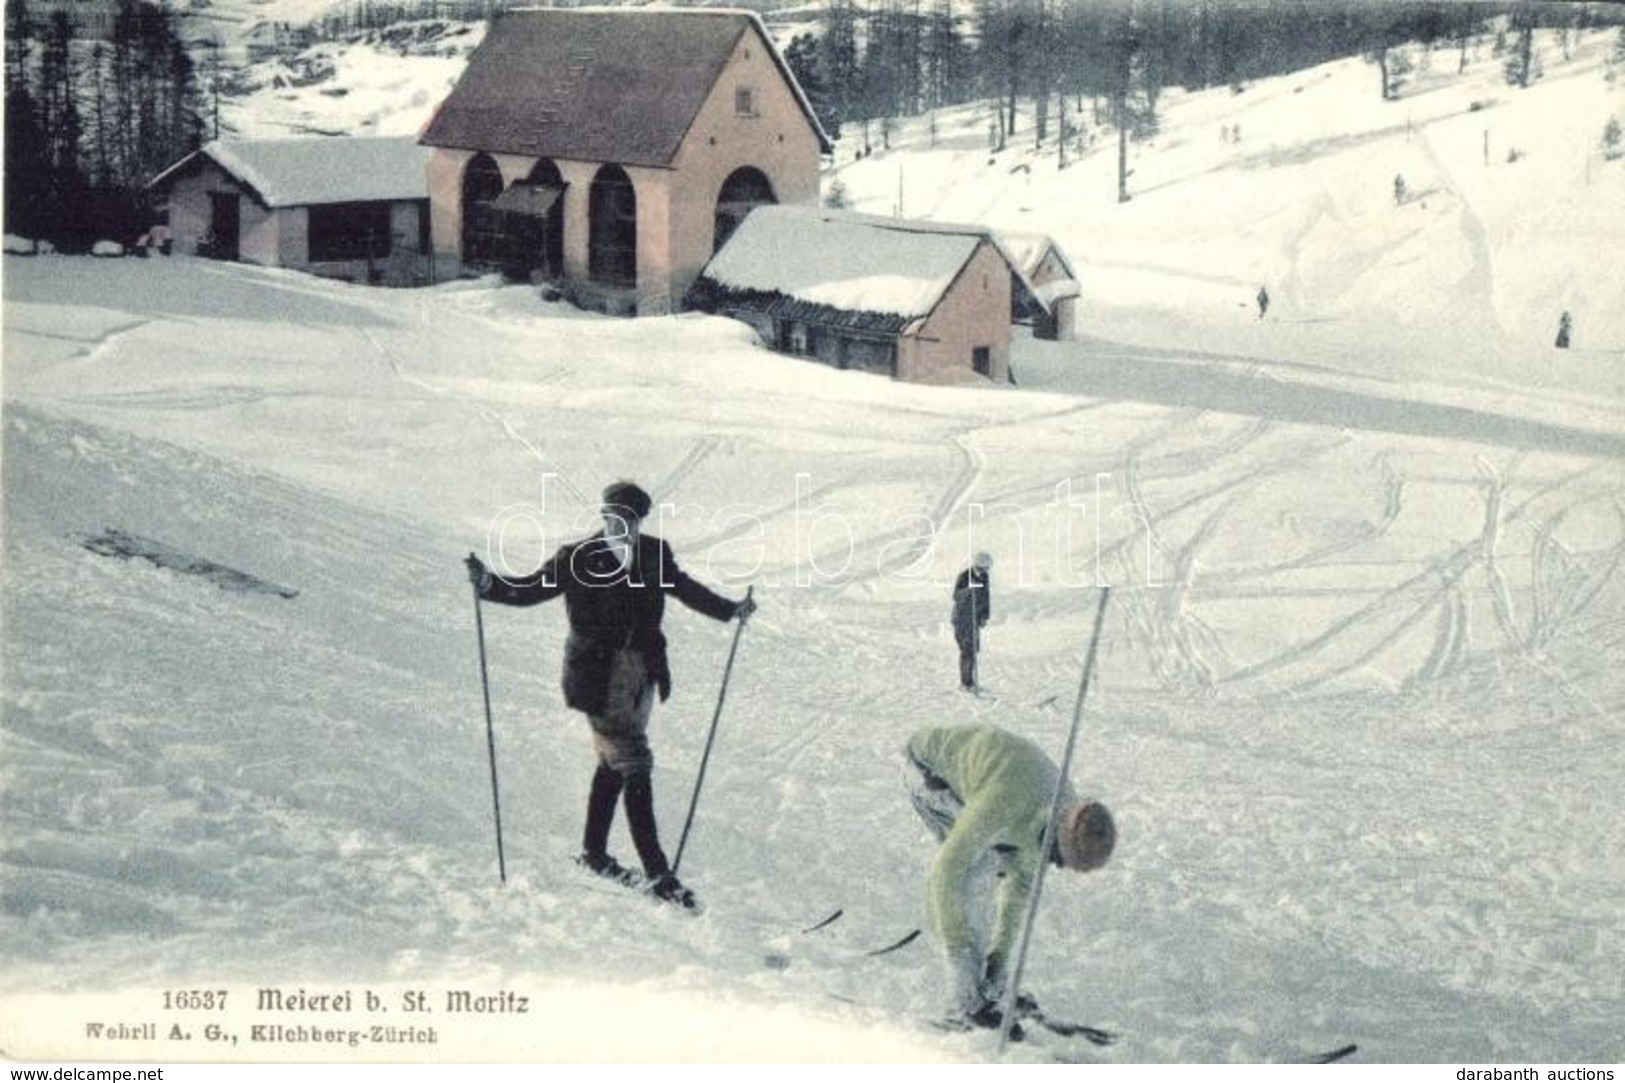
(1358, 709)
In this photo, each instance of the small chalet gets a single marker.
(340, 207)
(612, 151)
(1051, 308)
(920, 301)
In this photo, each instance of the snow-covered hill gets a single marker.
(1358, 709)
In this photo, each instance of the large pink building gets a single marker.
(613, 151)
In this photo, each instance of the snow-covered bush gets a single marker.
(107, 249)
(24, 246)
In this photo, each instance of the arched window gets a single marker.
(612, 210)
(544, 174)
(482, 226)
(745, 189)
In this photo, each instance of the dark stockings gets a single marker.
(607, 787)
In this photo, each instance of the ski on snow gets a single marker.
(638, 884)
(1333, 1055)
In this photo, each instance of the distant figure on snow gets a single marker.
(985, 794)
(1564, 325)
(615, 585)
(1263, 301)
(1399, 189)
(973, 594)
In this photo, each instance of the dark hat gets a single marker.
(627, 496)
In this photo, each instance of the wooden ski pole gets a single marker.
(490, 728)
(1007, 1009)
(710, 738)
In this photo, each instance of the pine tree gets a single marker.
(60, 123)
(25, 159)
(838, 59)
(1520, 64)
(802, 57)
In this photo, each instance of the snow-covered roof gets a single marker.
(299, 172)
(1027, 251)
(855, 262)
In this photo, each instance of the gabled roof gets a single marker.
(846, 261)
(300, 172)
(1027, 251)
(596, 84)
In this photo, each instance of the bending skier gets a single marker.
(985, 793)
(614, 585)
(973, 597)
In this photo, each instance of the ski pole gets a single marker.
(490, 730)
(1007, 1009)
(710, 737)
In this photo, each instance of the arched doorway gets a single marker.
(612, 227)
(544, 174)
(745, 189)
(482, 226)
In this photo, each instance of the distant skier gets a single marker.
(1565, 324)
(614, 586)
(1399, 189)
(1263, 301)
(973, 594)
(985, 794)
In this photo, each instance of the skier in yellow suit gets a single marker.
(985, 793)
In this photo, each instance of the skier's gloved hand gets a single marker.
(745, 608)
(478, 574)
(965, 979)
(995, 978)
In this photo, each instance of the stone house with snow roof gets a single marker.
(342, 207)
(920, 301)
(612, 151)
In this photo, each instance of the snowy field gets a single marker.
(1359, 704)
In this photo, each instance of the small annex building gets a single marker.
(342, 207)
(1052, 306)
(611, 151)
(921, 301)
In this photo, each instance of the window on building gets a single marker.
(612, 228)
(981, 359)
(745, 101)
(482, 226)
(345, 231)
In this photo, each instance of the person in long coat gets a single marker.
(614, 585)
(973, 600)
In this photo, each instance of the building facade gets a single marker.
(920, 301)
(613, 151)
(348, 208)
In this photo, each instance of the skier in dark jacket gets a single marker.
(614, 586)
(973, 594)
